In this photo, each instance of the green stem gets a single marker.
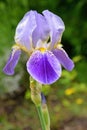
(46, 116)
(39, 109)
(36, 98)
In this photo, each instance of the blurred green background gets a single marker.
(67, 98)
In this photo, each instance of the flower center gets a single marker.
(42, 49)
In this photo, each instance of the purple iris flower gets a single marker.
(40, 37)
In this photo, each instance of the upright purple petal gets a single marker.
(12, 62)
(44, 67)
(41, 31)
(25, 28)
(56, 26)
(63, 58)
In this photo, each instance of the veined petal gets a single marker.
(44, 67)
(25, 28)
(63, 58)
(12, 61)
(56, 26)
(41, 31)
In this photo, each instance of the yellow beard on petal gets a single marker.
(42, 49)
(58, 45)
(17, 45)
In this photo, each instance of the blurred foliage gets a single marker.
(69, 93)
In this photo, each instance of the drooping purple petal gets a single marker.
(41, 31)
(12, 62)
(25, 28)
(56, 26)
(63, 58)
(44, 67)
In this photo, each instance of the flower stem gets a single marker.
(39, 109)
(36, 98)
(46, 116)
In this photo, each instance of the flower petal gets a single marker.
(41, 31)
(25, 28)
(56, 26)
(12, 62)
(63, 58)
(44, 67)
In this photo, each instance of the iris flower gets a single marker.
(39, 35)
